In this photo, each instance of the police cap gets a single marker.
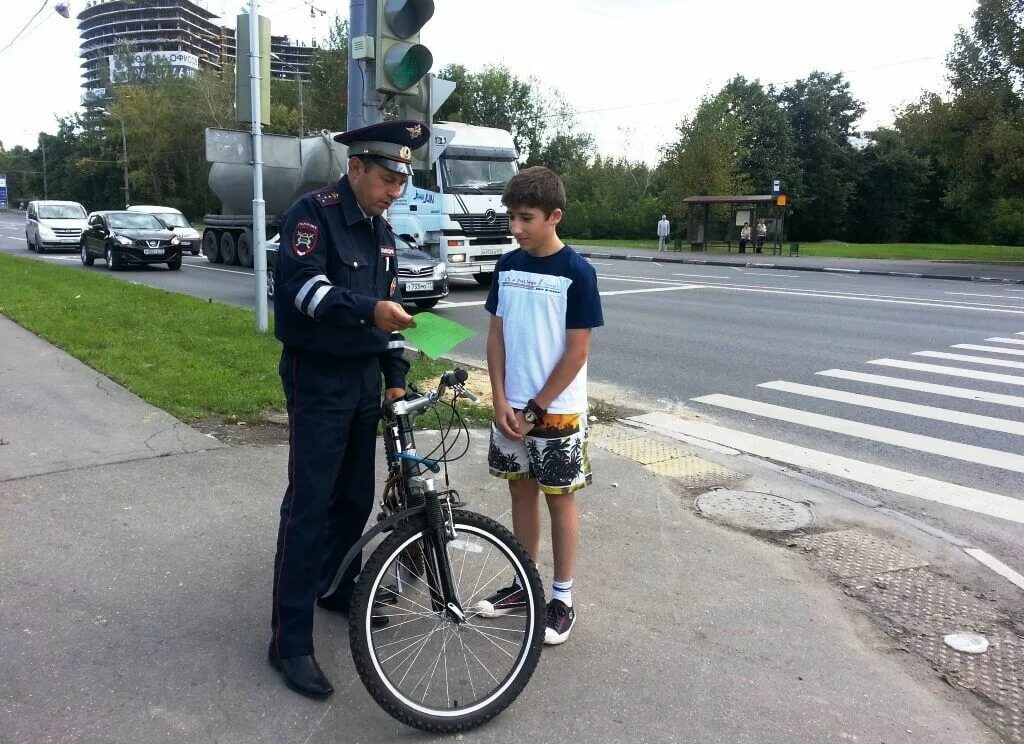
(389, 143)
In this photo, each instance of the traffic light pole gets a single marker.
(259, 207)
(363, 101)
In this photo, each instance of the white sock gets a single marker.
(562, 590)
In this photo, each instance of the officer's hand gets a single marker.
(390, 316)
(393, 394)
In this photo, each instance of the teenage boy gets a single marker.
(543, 304)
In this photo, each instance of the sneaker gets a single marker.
(502, 602)
(559, 624)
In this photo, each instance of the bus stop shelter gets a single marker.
(742, 208)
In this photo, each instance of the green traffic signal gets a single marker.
(402, 62)
(407, 64)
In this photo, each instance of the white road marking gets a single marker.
(703, 276)
(773, 276)
(969, 359)
(897, 406)
(884, 435)
(992, 349)
(888, 479)
(951, 371)
(673, 288)
(214, 268)
(974, 294)
(996, 565)
(1001, 340)
(1014, 401)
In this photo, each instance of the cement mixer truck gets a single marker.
(452, 210)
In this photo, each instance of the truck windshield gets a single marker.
(61, 212)
(469, 176)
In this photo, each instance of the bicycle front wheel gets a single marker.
(429, 667)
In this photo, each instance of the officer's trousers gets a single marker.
(333, 410)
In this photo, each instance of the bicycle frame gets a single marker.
(409, 491)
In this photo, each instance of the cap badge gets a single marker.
(415, 131)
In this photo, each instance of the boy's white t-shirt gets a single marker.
(538, 300)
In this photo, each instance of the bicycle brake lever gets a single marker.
(466, 394)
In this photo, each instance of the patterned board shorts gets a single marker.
(554, 452)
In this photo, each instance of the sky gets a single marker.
(632, 69)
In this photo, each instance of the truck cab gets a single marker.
(453, 210)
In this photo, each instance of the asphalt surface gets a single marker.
(135, 599)
(679, 332)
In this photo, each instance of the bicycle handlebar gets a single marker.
(454, 379)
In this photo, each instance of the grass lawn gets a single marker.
(193, 358)
(836, 249)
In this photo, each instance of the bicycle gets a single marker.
(438, 665)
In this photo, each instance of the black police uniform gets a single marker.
(334, 265)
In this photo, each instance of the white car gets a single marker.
(176, 222)
(54, 224)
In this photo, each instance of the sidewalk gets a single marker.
(134, 602)
(1010, 273)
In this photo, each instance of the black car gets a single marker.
(422, 279)
(126, 238)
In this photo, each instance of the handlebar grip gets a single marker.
(455, 377)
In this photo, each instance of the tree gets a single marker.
(326, 95)
(494, 97)
(822, 111)
(891, 188)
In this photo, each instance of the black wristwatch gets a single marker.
(533, 413)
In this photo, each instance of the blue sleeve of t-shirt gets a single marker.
(491, 305)
(584, 301)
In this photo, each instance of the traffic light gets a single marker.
(402, 62)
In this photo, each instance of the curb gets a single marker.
(828, 269)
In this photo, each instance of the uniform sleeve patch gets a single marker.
(305, 237)
(387, 250)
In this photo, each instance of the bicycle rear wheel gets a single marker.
(425, 668)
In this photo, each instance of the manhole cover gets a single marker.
(754, 511)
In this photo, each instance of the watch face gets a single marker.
(529, 416)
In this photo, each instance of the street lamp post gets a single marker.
(124, 149)
(42, 145)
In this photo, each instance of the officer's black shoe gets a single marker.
(302, 674)
(341, 604)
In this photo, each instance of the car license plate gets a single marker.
(490, 251)
(419, 286)
(153, 251)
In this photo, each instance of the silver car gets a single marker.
(51, 225)
(177, 223)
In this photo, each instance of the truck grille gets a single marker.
(488, 223)
(408, 271)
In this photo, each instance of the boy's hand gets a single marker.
(522, 426)
(506, 420)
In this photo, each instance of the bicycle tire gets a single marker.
(478, 534)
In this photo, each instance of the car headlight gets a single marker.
(123, 240)
(46, 232)
(440, 272)
(457, 258)
(175, 240)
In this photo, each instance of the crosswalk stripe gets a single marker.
(919, 442)
(951, 371)
(888, 479)
(992, 349)
(897, 406)
(969, 359)
(1016, 401)
(1006, 340)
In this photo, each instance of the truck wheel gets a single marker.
(228, 252)
(244, 249)
(211, 246)
(484, 280)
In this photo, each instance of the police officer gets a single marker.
(337, 315)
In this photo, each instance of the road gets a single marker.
(921, 377)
